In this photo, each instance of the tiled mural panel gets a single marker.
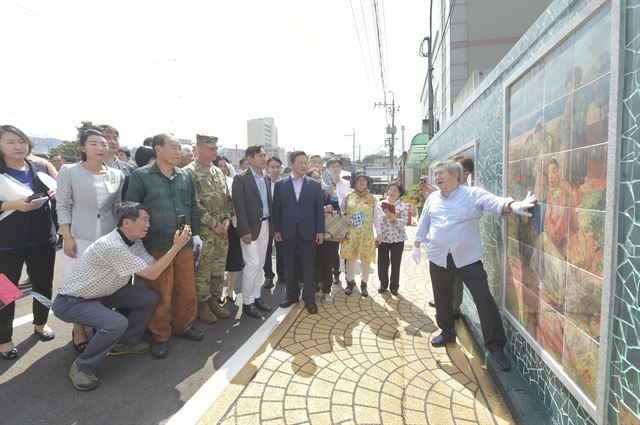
(482, 121)
(556, 147)
(624, 395)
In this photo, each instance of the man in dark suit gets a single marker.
(252, 202)
(299, 223)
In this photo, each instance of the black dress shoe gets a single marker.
(262, 305)
(193, 334)
(501, 359)
(232, 300)
(268, 284)
(9, 355)
(45, 336)
(394, 292)
(382, 290)
(288, 302)
(312, 308)
(252, 311)
(159, 349)
(441, 341)
(432, 304)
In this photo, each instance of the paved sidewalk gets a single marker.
(364, 360)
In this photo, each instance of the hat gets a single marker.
(334, 160)
(210, 141)
(356, 175)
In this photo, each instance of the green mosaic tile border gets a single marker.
(625, 351)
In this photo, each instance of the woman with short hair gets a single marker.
(392, 237)
(360, 205)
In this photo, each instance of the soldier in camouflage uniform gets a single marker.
(216, 211)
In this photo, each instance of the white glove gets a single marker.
(197, 243)
(521, 207)
(415, 255)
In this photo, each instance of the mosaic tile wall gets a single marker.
(624, 395)
(482, 120)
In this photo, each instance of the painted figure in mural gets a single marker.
(559, 195)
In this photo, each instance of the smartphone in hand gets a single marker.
(35, 196)
(181, 222)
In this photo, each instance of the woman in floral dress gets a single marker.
(361, 206)
(392, 237)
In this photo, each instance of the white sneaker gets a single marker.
(328, 298)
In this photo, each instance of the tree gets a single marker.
(84, 126)
(70, 149)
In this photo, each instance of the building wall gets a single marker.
(481, 121)
(474, 35)
(262, 131)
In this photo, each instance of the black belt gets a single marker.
(264, 218)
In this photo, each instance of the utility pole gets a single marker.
(427, 40)
(391, 129)
(353, 134)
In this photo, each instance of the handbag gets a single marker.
(336, 226)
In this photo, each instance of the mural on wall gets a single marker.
(556, 147)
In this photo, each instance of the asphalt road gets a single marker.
(35, 388)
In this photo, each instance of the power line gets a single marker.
(386, 45)
(380, 56)
(364, 62)
(366, 33)
(29, 12)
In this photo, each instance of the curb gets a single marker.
(199, 403)
(524, 405)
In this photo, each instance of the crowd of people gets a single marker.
(178, 221)
(184, 217)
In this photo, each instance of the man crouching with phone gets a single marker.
(99, 283)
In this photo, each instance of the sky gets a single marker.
(189, 67)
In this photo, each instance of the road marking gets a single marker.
(197, 405)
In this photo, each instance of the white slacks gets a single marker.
(254, 255)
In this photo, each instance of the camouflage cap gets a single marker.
(210, 141)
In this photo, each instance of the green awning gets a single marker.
(417, 150)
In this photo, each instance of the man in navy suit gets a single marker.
(299, 223)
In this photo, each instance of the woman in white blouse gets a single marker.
(89, 193)
(391, 240)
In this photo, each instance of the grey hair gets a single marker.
(454, 167)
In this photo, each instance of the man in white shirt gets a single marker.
(274, 169)
(450, 227)
(100, 282)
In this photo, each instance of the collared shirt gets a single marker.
(106, 266)
(125, 167)
(451, 224)
(261, 182)
(167, 198)
(297, 185)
